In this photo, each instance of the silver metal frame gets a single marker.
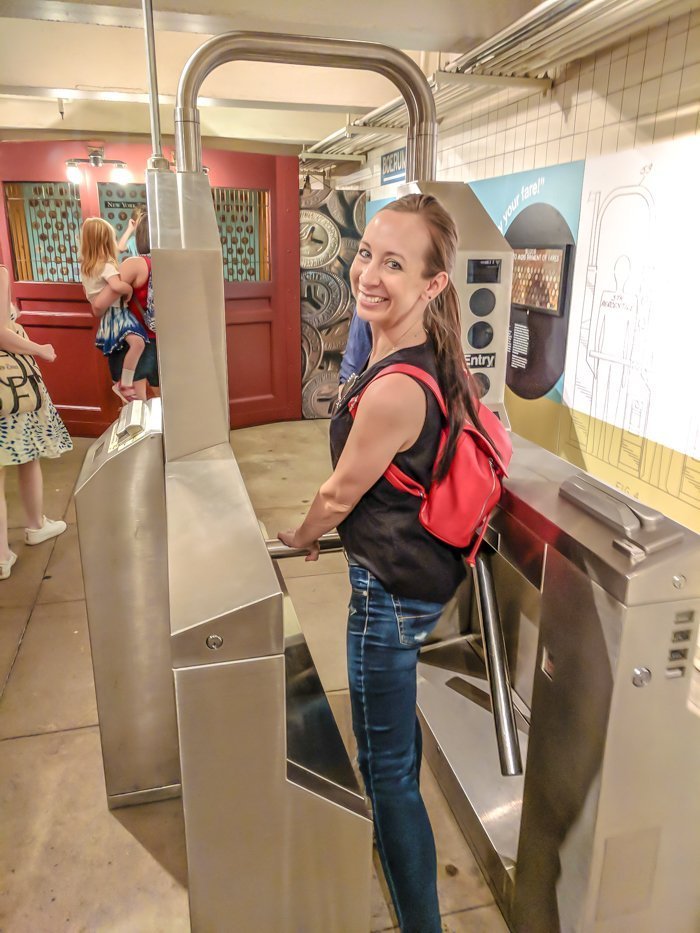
(421, 143)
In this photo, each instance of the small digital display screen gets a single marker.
(483, 271)
(538, 279)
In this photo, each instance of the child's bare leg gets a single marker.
(139, 389)
(136, 346)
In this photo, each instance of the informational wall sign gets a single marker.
(394, 166)
(631, 375)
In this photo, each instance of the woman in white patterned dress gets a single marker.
(24, 438)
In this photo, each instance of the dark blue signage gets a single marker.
(394, 166)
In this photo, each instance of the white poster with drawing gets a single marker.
(634, 333)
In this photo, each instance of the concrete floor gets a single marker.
(68, 863)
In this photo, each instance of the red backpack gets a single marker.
(457, 508)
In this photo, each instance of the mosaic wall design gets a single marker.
(331, 224)
(243, 218)
(44, 219)
(118, 201)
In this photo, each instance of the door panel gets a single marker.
(262, 317)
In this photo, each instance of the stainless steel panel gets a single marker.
(602, 835)
(120, 504)
(464, 733)
(188, 283)
(568, 724)
(532, 497)
(221, 579)
(233, 776)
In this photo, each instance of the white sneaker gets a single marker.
(7, 565)
(49, 529)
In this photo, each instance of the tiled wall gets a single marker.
(641, 91)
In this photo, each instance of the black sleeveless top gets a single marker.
(383, 533)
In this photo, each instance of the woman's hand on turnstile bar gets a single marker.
(291, 539)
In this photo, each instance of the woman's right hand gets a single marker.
(46, 352)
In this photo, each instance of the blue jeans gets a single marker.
(385, 633)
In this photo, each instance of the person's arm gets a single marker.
(117, 284)
(357, 348)
(389, 419)
(126, 236)
(11, 341)
(129, 271)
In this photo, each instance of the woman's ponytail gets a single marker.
(442, 322)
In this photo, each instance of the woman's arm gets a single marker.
(109, 295)
(133, 271)
(389, 419)
(116, 283)
(11, 341)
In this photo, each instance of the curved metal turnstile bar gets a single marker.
(421, 143)
(329, 543)
(270, 801)
(497, 668)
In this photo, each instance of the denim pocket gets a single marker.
(415, 619)
(359, 582)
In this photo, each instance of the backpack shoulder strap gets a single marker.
(408, 370)
(393, 474)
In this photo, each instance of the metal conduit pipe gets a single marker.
(552, 34)
(593, 19)
(600, 26)
(157, 160)
(421, 149)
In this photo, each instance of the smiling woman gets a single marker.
(401, 575)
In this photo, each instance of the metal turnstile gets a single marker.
(599, 600)
(183, 592)
(120, 505)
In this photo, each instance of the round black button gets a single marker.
(480, 335)
(482, 302)
(483, 383)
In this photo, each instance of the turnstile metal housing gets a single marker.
(600, 603)
(120, 505)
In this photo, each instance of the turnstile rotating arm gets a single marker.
(328, 542)
(497, 668)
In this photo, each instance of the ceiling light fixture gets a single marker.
(96, 159)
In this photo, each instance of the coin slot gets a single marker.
(682, 634)
(687, 615)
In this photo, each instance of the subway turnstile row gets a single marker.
(597, 606)
(588, 607)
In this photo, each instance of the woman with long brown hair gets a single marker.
(401, 575)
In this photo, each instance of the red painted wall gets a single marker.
(262, 319)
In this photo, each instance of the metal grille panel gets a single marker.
(44, 220)
(243, 216)
(118, 201)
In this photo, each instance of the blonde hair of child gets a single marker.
(98, 245)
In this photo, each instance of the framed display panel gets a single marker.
(539, 278)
